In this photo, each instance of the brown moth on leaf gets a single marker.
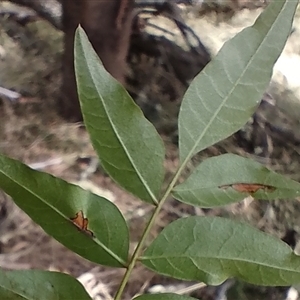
(82, 223)
(249, 188)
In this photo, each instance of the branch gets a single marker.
(49, 10)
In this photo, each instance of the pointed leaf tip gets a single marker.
(130, 149)
(222, 98)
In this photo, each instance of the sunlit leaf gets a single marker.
(212, 249)
(226, 93)
(230, 178)
(163, 296)
(54, 204)
(129, 147)
(37, 285)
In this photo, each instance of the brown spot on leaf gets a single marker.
(249, 188)
(82, 223)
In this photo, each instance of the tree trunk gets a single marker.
(50, 10)
(108, 26)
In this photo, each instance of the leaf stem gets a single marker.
(150, 224)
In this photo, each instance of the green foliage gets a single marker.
(224, 95)
(36, 285)
(118, 129)
(210, 249)
(52, 202)
(210, 184)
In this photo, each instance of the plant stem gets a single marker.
(141, 243)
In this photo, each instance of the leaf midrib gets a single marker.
(119, 138)
(191, 153)
(107, 250)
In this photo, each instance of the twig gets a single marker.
(11, 95)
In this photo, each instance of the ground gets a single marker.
(31, 131)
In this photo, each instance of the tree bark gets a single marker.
(50, 10)
(108, 26)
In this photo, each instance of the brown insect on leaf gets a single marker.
(82, 223)
(249, 188)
